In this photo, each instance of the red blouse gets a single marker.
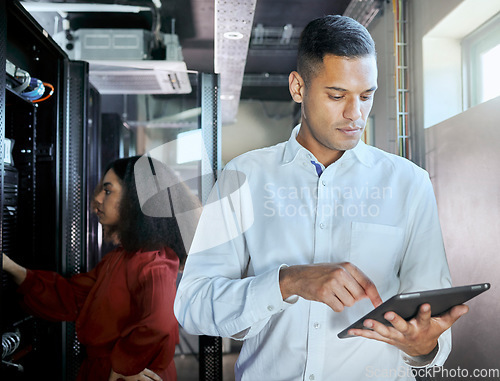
(123, 311)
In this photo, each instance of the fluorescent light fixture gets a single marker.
(233, 35)
(189, 146)
(80, 7)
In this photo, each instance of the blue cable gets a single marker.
(37, 92)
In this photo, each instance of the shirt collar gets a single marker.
(292, 148)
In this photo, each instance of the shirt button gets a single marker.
(322, 225)
(270, 308)
(324, 183)
(317, 325)
(311, 377)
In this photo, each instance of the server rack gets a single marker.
(44, 190)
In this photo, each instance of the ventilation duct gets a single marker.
(140, 77)
(120, 61)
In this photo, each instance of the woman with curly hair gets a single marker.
(123, 308)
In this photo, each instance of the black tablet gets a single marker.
(406, 305)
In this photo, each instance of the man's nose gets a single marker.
(352, 110)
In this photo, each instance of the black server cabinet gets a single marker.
(44, 190)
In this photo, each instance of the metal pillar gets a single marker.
(209, 84)
(74, 194)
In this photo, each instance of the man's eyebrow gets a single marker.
(345, 90)
(336, 88)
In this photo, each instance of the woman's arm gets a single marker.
(48, 294)
(17, 272)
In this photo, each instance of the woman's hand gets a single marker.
(17, 272)
(145, 375)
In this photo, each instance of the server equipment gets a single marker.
(44, 127)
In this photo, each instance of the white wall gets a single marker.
(424, 15)
(384, 107)
(259, 124)
(462, 155)
(463, 159)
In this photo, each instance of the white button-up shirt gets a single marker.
(277, 207)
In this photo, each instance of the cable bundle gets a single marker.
(31, 89)
(10, 343)
(38, 90)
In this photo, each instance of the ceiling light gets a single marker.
(76, 7)
(233, 35)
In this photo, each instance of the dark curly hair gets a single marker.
(138, 229)
(333, 34)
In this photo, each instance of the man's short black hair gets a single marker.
(333, 34)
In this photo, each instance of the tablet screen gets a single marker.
(406, 305)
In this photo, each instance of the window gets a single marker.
(481, 59)
(458, 57)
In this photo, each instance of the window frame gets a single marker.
(481, 40)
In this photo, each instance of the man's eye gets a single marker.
(107, 192)
(336, 97)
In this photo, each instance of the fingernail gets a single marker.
(368, 324)
(390, 317)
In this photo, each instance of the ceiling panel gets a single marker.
(295, 12)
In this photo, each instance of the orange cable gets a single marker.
(48, 95)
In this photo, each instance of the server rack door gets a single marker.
(44, 193)
(74, 202)
(30, 214)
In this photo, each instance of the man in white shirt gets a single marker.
(301, 239)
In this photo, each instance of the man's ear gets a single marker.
(296, 86)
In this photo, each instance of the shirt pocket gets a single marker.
(376, 249)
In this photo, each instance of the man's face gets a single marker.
(336, 102)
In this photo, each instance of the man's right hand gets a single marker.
(338, 285)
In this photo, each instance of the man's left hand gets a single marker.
(416, 337)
